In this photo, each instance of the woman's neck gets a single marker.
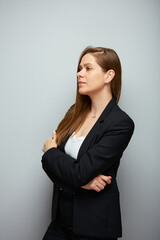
(98, 104)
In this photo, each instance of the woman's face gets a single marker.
(91, 78)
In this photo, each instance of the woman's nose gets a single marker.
(80, 73)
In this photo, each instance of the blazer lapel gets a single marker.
(90, 136)
(95, 129)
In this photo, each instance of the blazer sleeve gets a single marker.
(97, 159)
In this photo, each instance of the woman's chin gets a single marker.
(82, 92)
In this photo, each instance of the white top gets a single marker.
(73, 144)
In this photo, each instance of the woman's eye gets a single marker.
(88, 68)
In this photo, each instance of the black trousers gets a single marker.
(61, 228)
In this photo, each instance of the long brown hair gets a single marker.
(107, 59)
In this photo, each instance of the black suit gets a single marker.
(94, 213)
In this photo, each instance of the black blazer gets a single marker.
(95, 214)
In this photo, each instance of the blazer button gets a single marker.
(60, 189)
(73, 193)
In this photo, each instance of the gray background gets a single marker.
(40, 45)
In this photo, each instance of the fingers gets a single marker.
(50, 142)
(100, 182)
(106, 178)
(54, 135)
(99, 187)
(109, 181)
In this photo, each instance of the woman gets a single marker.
(84, 154)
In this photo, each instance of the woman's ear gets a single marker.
(109, 76)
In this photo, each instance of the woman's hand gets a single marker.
(50, 142)
(98, 183)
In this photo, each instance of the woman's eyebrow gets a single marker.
(86, 64)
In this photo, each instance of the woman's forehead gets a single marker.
(88, 59)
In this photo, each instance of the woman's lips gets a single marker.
(81, 83)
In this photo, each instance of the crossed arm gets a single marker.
(97, 184)
(85, 173)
